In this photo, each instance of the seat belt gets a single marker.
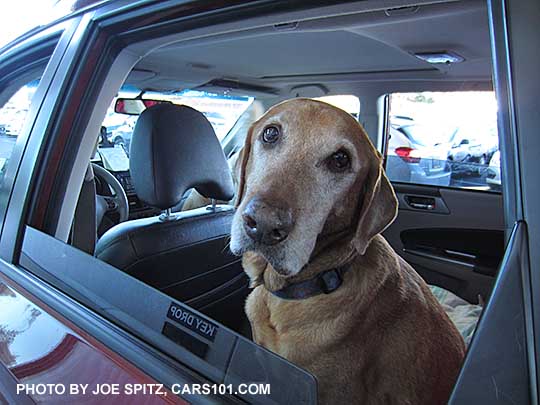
(84, 231)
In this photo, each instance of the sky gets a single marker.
(20, 16)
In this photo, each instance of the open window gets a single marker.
(191, 310)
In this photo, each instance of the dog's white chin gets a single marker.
(288, 258)
(284, 264)
(290, 267)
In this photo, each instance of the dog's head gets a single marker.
(308, 171)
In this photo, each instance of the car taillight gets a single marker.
(407, 154)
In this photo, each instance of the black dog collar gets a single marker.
(323, 283)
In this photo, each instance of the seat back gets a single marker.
(184, 254)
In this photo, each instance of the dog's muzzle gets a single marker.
(265, 222)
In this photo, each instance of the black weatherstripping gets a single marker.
(230, 359)
(24, 159)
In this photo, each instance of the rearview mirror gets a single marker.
(135, 106)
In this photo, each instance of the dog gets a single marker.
(329, 293)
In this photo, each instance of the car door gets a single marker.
(505, 328)
(483, 242)
(450, 224)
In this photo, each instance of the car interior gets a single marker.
(452, 236)
(159, 209)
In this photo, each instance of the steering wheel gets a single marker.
(110, 203)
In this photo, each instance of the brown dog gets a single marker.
(312, 198)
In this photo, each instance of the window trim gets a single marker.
(29, 139)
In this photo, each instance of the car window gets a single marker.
(12, 117)
(444, 139)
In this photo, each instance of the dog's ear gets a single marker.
(378, 208)
(244, 158)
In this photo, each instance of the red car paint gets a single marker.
(39, 346)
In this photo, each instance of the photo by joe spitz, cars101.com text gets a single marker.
(269, 202)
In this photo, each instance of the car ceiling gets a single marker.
(328, 55)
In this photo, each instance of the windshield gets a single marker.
(222, 111)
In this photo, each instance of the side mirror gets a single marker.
(464, 142)
(135, 106)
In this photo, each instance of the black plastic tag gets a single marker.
(195, 346)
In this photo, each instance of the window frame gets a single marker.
(39, 53)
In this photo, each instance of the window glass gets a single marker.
(12, 118)
(444, 139)
(222, 112)
(22, 16)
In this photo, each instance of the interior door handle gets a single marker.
(420, 203)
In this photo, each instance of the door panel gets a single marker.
(495, 369)
(453, 237)
(173, 328)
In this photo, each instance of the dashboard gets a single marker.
(137, 208)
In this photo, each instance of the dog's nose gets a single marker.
(265, 222)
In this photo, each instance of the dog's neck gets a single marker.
(335, 252)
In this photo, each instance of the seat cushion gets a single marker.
(464, 315)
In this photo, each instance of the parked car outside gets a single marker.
(493, 178)
(470, 154)
(217, 120)
(417, 153)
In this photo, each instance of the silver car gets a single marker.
(418, 153)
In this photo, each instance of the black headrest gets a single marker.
(174, 148)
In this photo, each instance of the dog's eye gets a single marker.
(339, 161)
(270, 134)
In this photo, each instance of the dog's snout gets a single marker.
(267, 223)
